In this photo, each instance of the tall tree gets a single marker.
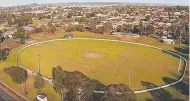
(80, 86)
(23, 20)
(141, 28)
(20, 33)
(58, 77)
(18, 75)
(5, 53)
(51, 27)
(150, 29)
(80, 28)
(39, 82)
(107, 26)
(118, 92)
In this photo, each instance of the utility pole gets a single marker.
(25, 37)
(37, 60)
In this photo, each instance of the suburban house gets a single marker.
(28, 28)
(8, 33)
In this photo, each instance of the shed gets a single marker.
(68, 36)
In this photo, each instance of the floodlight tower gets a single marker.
(129, 73)
(37, 60)
(179, 65)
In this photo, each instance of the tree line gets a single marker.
(73, 86)
(105, 28)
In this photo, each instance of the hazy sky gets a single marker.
(21, 2)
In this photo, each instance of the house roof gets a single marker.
(67, 35)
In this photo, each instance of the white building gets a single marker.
(8, 33)
(41, 97)
(168, 41)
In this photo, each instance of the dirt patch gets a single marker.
(9, 43)
(93, 55)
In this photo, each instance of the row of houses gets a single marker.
(123, 34)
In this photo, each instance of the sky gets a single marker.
(23, 2)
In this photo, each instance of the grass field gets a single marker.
(108, 62)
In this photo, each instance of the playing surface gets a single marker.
(108, 62)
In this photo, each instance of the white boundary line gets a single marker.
(136, 91)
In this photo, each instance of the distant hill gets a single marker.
(96, 3)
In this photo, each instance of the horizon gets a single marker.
(9, 3)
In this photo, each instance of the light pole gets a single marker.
(37, 60)
(129, 73)
(179, 65)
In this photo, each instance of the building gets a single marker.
(28, 28)
(42, 97)
(68, 36)
(168, 41)
(8, 33)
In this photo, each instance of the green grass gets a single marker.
(29, 84)
(39, 21)
(146, 64)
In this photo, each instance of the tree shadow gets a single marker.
(168, 52)
(149, 100)
(99, 86)
(170, 100)
(182, 49)
(182, 54)
(184, 65)
(182, 87)
(158, 95)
